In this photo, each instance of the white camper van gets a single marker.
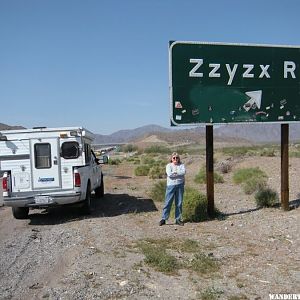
(45, 167)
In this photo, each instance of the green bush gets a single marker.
(266, 197)
(253, 184)
(157, 257)
(242, 175)
(252, 179)
(142, 170)
(201, 177)
(194, 206)
(294, 154)
(115, 161)
(158, 191)
(203, 264)
(269, 152)
(129, 148)
(236, 151)
(157, 172)
(146, 160)
(157, 149)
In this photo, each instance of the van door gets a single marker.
(45, 160)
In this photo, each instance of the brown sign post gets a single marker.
(285, 166)
(210, 170)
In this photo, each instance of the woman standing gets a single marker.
(175, 188)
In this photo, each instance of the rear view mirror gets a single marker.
(103, 159)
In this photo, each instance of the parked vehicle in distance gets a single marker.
(44, 167)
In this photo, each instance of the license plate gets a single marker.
(43, 199)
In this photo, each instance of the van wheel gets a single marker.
(20, 212)
(99, 191)
(88, 201)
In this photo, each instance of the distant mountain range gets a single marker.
(254, 133)
(9, 127)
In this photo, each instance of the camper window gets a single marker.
(70, 150)
(42, 156)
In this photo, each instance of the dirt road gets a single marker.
(60, 254)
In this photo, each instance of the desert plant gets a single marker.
(253, 184)
(266, 197)
(194, 206)
(270, 152)
(147, 160)
(203, 264)
(201, 177)
(141, 170)
(252, 179)
(157, 257)
(211, 293)
(157, 172)
(129, 148)
(224, 166)
(157, 149)
(236, 151)
(243, 175)
(115, 161)
(158, 191)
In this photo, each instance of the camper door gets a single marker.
(45, 163)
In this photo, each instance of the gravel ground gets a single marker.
(60, 254)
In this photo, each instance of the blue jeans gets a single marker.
(173, 192)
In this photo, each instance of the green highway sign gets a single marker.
(232, 83)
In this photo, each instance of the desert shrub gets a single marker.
(224, 166)
(194, 206)
(157, 257)
(236, 151)
(157, 149)
(157, 192)
(203, 264)
(141, 170)
(129, 148)
(294, 154)
(157, 172)
(252, 179)
(159, 163)
(269, 152)
(253, 184)
(266, 197)
(201, 177)
(147, 160)
(115, 161)
(243, 175)
(136, 161)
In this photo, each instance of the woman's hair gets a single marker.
(176, 155)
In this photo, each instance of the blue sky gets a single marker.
(104, 64)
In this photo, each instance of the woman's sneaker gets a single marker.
(162, 222)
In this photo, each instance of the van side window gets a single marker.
(42, 155)
(87, 150)
(70, 150)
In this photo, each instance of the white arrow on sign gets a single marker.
(255, 97)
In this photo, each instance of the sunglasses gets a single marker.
(175, 157)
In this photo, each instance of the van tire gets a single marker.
(88, 201)
(99, 191)
(20, 212)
